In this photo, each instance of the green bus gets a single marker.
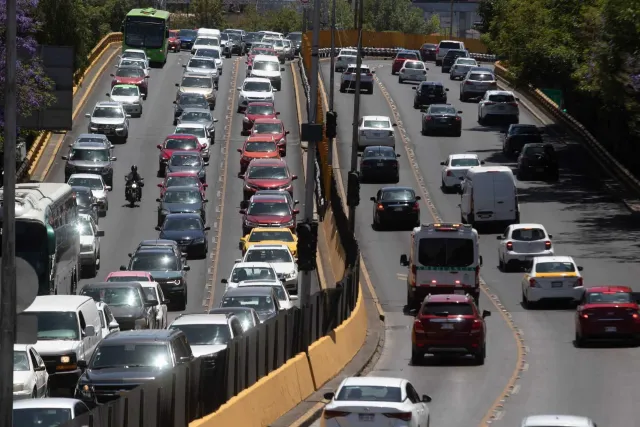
(147, 29)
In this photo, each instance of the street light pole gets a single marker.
(332, 75)
(356, 113)
(451, 23)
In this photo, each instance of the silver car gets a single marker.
(99, 189)
(110, 119)
(136, 63)
(199, 83)
(289, 49)
(130, 98)
(476, 83)
(206, 66)
(93, 137)
(199, 130)
(31, 412)
(213, 54)
(460, 68)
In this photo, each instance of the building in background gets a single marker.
(465, 15)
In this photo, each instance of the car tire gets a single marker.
(400, 80)
(34, 394)
(501, 265)
(526, 304)
(444, 188)
(480, 356)
(520, 174)
(91, 270)
(438, 63)
(397, 178)
(342, 90)
(458, 133)
(415, 106)
(417, 358)
(579, 340)
(481, 121)
(451, 77)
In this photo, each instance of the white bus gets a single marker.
(444, 259)
(47, 236)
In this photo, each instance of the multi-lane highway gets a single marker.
(125, 227)
(586, 223)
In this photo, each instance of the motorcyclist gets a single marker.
(134, 177)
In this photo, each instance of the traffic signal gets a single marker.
(307, 245)
(331, 124)
(353, 189)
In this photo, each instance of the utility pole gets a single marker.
(8, 318)
(304, 20)
(332, 76)
(355, 13)
(451, 23)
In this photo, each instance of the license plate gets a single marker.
(556, 284)
(539, 169)
(500, 107)
(431, 96)
(485, 215)
(460, 292)
(443, 120)
(447, 326)
(398, 209)
(377, 134)
(379, 164)
(610, 329)
(366, 417)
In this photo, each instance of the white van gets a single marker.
(208, 32)
(489, 195)
(69, 330)
(444, 46)
(268, 67)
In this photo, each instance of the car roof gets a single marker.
(611, 288)
(266, 198)
(500, 92)
(89, 145)
(268, 120)
(86, 175)
(92, 135)
(111, 104)
(257, 79)
(540, 259)
(47, 402)
(128, 86)
(181, 188)
(441, 105)
(463, 156)
(397, 188)
(131, 284)
(134, 50)
(154, 249)
(270, 229)
(527, 225)
(192, 95)
(191, 125)
(261, 57)
(537, 144)
(250, 291)
(202, 76)
(193, 174)
(57, 302)
(139, 336)
(448, 298)
(200, 319)
(260, 137)
(128, 67)
(232, 310)
(129, 273)
(374, 381)
(184, 215)
(186, 153)
(260, 104)
(196, 110)
(376, 118)
(556, 420)
(79, 189)
(356, 66)
(262, 247)
(157, 242)
(431, 83)
(268, 162)
(253, 264)
(378, 148)
(203, 58)
(259, 283)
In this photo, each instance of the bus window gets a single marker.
(446, 252)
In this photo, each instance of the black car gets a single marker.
(188, 100)
(187, 37)
(238, 45)
(428, 93)
(86, 202)
(296, 40)
(428, 51)
(451, 57)
(263, 299)
(188, 230)
(379, 163)
(167, 268)
(441, 118)
(396, 206)
(188, 161)
(128, 303)
(517, 136)
(538, 159)
(247, 315)
(249, 39)
(181, 200)
(125, 360)
(161, 243)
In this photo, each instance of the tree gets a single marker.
(209, 13)
(395, 15)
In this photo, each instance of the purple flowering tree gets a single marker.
(33, 85)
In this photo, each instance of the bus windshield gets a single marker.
(144, 32)
(446, 252)
(32, 247)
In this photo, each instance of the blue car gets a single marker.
(188, 230)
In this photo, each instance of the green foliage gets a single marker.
(283, 20)
(209, 13)
(396, 15)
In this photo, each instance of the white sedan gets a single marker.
(376, 401)
(108, 322)
(521, 243)
(89, 244)
(286, 301)
(154, 292)
(30, 377)
(552, 278)
(455, 168)
(376, 130)
(412, 71)
(557, 421)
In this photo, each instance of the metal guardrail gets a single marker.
(391, 52)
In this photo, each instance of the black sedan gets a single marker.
(188, 161)
(181, 200)
(188, 230)
(396, 206)
(441, 118)
(517, 136)
(428, 93)
(188, 100)
(379, 163)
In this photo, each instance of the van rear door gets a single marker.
(483, 197)
(504, 191)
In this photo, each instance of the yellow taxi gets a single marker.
(270, 236)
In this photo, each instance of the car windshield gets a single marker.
(182, 196)
(524, 130)
(267, 128)
(502, 98)
(295, 37)
(240, 274)
(101, 155)
(466, 61)
(154, 261)
(398, 195)
(57, 325)
(347, 58)
(182, 181)
(108, 113)
(207, 42)
(83, 198)
(193, 99)
(135, 55)
(150, 293)
(268, 255)
(196, 116)
(483, 77)
(273, 235)
(125, 91)
(449, 45)
(431, 89)
(270, 208)
(234, 37)
(128, 279)
(528, 234)
(257, 87)
(224, 36)
(20, 361)
(446, 252)
(188, 34)
(205, 334)
(608, 298)
(533, 150)
(97, 138)
(41, 417)
(188, 130)
(369, 393)
(281, 294)
(407, 55)
(179, 224)
(261, 110)
(414, 65)
(208, 53)
(181, 144)
(258, 303)
(442, 110)
(185, 160)
(92, 183)
(130, 72)
(266, 66)
(448, 309)
(136, 63)
(429, 46)
(455, 53)
(201, 63)
(260, 51)
(378, 153)
(268, 172)
(287, 43)
(114, 296)
(131, 355)
(249, 37)
(85, 228)
(555, 267)
(465, 162)
(197, 82)
(377, 124)
(260, 147)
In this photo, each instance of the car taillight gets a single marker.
(585, 315)
(417, 327)
(509, 246)
(489, 103)
(424, 72)
(533, 283)
(547, 244)
(476, 326)
(369, 74)
(458, 118)
(380, 207)
(416, 206)
(438, 50)
(578, 282)
(404, 416)
(327, 414)
(427, 118)
(513, 104)
(449, 173)
(468, 83)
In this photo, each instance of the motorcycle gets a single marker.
(132, 192)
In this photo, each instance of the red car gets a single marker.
(129, 276)
(607, 312)
(402, 56)
(256, 110)
(131, 76)
(173, 143)
(428, 51)
(174, 40)
(182, 179)
(267, 174)
(258, 147)
(268, 211)
(449, 324)
(258, 51)
(273, 127)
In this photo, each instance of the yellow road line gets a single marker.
(307, 415)
(321, 277)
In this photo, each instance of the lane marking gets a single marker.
(496, 408)
(76, 110)
(210, 289)
(307, 415)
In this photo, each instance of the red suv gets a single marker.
(268, 211)
(449, 324)
(267, 174)
(607, 312)
(257, 110)
(275, 128)
(131, 76)
(174, 40)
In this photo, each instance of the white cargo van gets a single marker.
(489, 196)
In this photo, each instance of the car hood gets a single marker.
(174, 168)
(265, 95)
(263, 73)
(99, 194)
(181, 207)
(87, 164)
(206, 123)
(596, 306)
(195, 70)
(125, 99)
(126, 312)
(86, 240)
(106, 121)
(129, 80)
(55, 347)
(201, 90)
(166, 275)
(275, 219)
(121, 375)
(204, 350)
(179, 235)
(282, 267)
(253, 117)
(269, 183)
(276, 136)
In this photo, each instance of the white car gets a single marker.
(243, 271)
(213, 53)
(208, 333)
(134, 54)
(89, 244)
(557, 421)
(280, 258)
(461, 66)
(204, 42)
(130, 98)
(552, 277)
(455, 168)
(154, 291)
(99, 189)
(413, 71)
(343, 60)
(30, 377)
(501, 105)
(376, 401)
(348, 51)
(255, 89)
(135, 62)
(376, 130)
(200, 131)
(286, 301)
(521, 243)
(108, 322)
(208, 66)
(348, 78)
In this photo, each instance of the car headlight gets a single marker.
(120, 128)
(251, 223)
(18, 387)
(164, 212)
(245, 119)
(199, 240)
(173, 282)
(292, 274)
(65, 359)
(288, 224)
(86, 391)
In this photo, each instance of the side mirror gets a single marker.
(580, 268)
(294, 177)
(215, 120)
(238, 88)
(184, 65)
(108, 94)
(123, 268)
(129, 254)
(159, 200)
(207, 228)
(205, 200)
(517, 99)
(244, 204)
(174, 102)
(237, 261)
(328, 396)
(423, 110)
(177, 84)
(499, 237)
(90, 331)
(293, 297)
(373, 71)
(414, 87)
(206, 163)
(224, 281)
(128, 116)
(443, 163)
(82, 364)
(395, 125)
(114, 325)
(159, 146)
(112, 75)
(397, 156)
(459, 112)
(295, 202)
(239, 150)
(404, 260)
(65, 157)
(166, 301)
(277, 113)
(413, 312)
(480, 259)
(186, 268)
(446, 89)
(418, 198)
(99, 233)
(242, 211)
(88, 116)
(40, 368)
(373, 199)
(205, 185)
(482, 162)
(426, 68)
(113, 159)
(296, 211)
(150, 303)
(159, 185)
(282, 69)
(287, 132)
(107, 187)
(426, 398)
(157, 228)
(486, 313)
